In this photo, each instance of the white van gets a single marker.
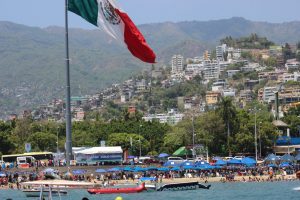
(25, 160)
(176, 159)
(143, 158)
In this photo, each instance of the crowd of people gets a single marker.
(226, 174)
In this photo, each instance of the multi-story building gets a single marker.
(269, 94)
(141, 85)
(220, 50)
(289, 95)
(219, 85)
(211, 70)
(171, 117)
(232, 72)
(177, 64)
(292, 64)
(228, 92)
(212, 98)
(246, 96)
(206, 55)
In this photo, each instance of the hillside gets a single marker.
(32, 62)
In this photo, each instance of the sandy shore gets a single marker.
(204, 181)
(218, 179)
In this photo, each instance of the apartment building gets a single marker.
(177, 64)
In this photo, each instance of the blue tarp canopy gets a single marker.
(100, 171)
(163, 169)
(186, 163)
(175, 169)
(285, 164)
(170, 164)
(234, 162)
(2, 174)
(151, 168)
(201, 163)
(287, 158)
(204, 167)
(163, 155)
(220, 162)
(127, 168)
(138, 169)
(272, 158)
(130, 157)
(79, 171)
(147, 179)
(297, 157)
(188, 167)
(49, 170)
(115, 169)
(248, 161)
(272, 165)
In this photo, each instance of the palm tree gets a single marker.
(227, 111)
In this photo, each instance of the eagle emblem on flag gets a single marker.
(109, 12)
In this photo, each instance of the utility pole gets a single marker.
(140, 145)
(255, 137)
(259, 131)
(193, 130)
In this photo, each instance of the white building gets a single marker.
(177, 64)
(219, 85)
(171, 117)
(228, 92)
(211, 70)
(220, 50)
(269, 94)
(141, 85)
(292, 64)
(232, 72)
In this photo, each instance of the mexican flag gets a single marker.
(107, 15)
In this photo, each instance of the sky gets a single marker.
(43, 13)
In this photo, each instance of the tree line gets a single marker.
(226, 130)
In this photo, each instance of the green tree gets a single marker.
(209, 130)
(176, 138)
(41, 141)
(227, 111)
(123, 140)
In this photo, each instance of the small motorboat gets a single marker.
(297, 188)
(52, 187)
(114, 190)
(182, 186)
(35, 192)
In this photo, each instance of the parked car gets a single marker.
(228, 158)
(239, 157)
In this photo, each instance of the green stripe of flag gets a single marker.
(87, 9)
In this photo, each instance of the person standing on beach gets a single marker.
(271, 173)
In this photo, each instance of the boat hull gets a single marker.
(36, 193)
(138, 189)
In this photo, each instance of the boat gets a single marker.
(114, 190)
(35, 192)
(54, 187)
(182, 186)
(297, 188)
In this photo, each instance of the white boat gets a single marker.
(53, 187)
(297, 188)
(35, 192)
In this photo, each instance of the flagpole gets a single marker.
(68, 92)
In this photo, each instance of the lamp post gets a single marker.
(259, 131)
(193, 131)
(255, 138)
(255, 131)
(140, 145)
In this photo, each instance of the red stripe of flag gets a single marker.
(135, 41)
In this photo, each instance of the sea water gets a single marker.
(218, 191)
